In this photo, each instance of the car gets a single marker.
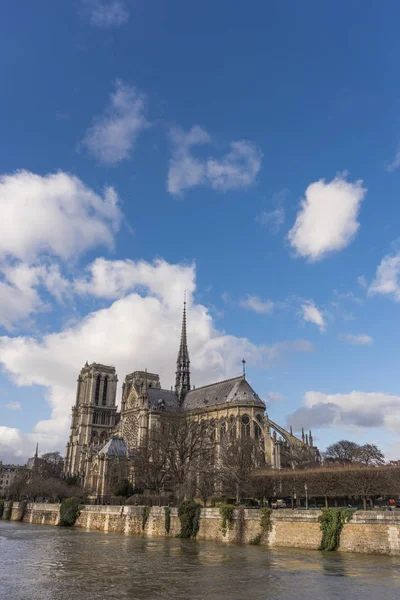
(278, 504)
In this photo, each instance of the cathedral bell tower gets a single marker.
(182, 376)
(93, 416)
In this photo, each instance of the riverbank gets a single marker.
(367, 532)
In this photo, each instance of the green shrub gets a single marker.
(331, 524)
(167, 521)
(1, 508)
(69, 511)
(226, 512)
(189, 513)
(7, 513)
(145, 516)
(256, 540)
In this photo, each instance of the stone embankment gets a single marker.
(367, 532)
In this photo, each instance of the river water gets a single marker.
(52, 563)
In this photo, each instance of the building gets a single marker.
(102, 439)
(8, 474)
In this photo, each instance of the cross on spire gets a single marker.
(244, 368)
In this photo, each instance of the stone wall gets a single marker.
(367, 532)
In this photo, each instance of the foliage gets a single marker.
(123, 488)
(226, 512)
(167, 521)
(69, 511)
(7, 513)
(189, 513)
(145, 516)
(1, 508)
(265, 520)
(256, 540)
(331, 523)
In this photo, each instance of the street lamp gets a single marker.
(306, 490)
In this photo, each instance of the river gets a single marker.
(53, 563)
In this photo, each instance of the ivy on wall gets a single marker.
(265, 525)
(189, 513)
(331, 524)
(226, 512)
(167, 518)
(69, 511)
(145, 516)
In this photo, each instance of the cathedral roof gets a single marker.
(159, 399)
(114, 447)
(235, 391)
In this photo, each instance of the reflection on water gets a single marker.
(50, 563)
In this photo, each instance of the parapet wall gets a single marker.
(367, 532)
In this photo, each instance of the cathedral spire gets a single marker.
(37, 450)
(182, 379)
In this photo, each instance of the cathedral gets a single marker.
(103, 440)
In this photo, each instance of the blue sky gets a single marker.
(249, 154)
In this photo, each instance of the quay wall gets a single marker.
(367, 532)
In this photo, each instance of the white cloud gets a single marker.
(327, 219)
(55, 214)
(312, 314)
(13, 406)
(273, 219)
(387, 277)
(395, 164)
(356, 340)
(362, 281)
(259, 306)
(238, 169)
(355, 409)
(112, 137)
(276, 352)
(106, 13)
(140, 330)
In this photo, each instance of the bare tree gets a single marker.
(239, 458)
(370, 455)
(343, 452)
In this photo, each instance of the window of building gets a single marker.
(245, 426)
(104, 400)
(97, 390)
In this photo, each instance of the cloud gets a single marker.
(273, 219)
(327, 219)
(362, 281)
(13, 406)
(394, 165)
(55, 214)
(106, 13)
(312, 314)
(255, 304)
(276, 352)
(356, 340)
(113, 136)
(387, 277)
(236, 170)
(137, 331)
(355, 409)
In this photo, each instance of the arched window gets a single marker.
(245, 426)
(95, 438)
(97, 390)
(103, 437)
(104, 399)
(232, 427)
(257, 431)
(222, 430)
(259, 418)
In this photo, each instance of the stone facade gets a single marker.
(232, 406)
(367, 532)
